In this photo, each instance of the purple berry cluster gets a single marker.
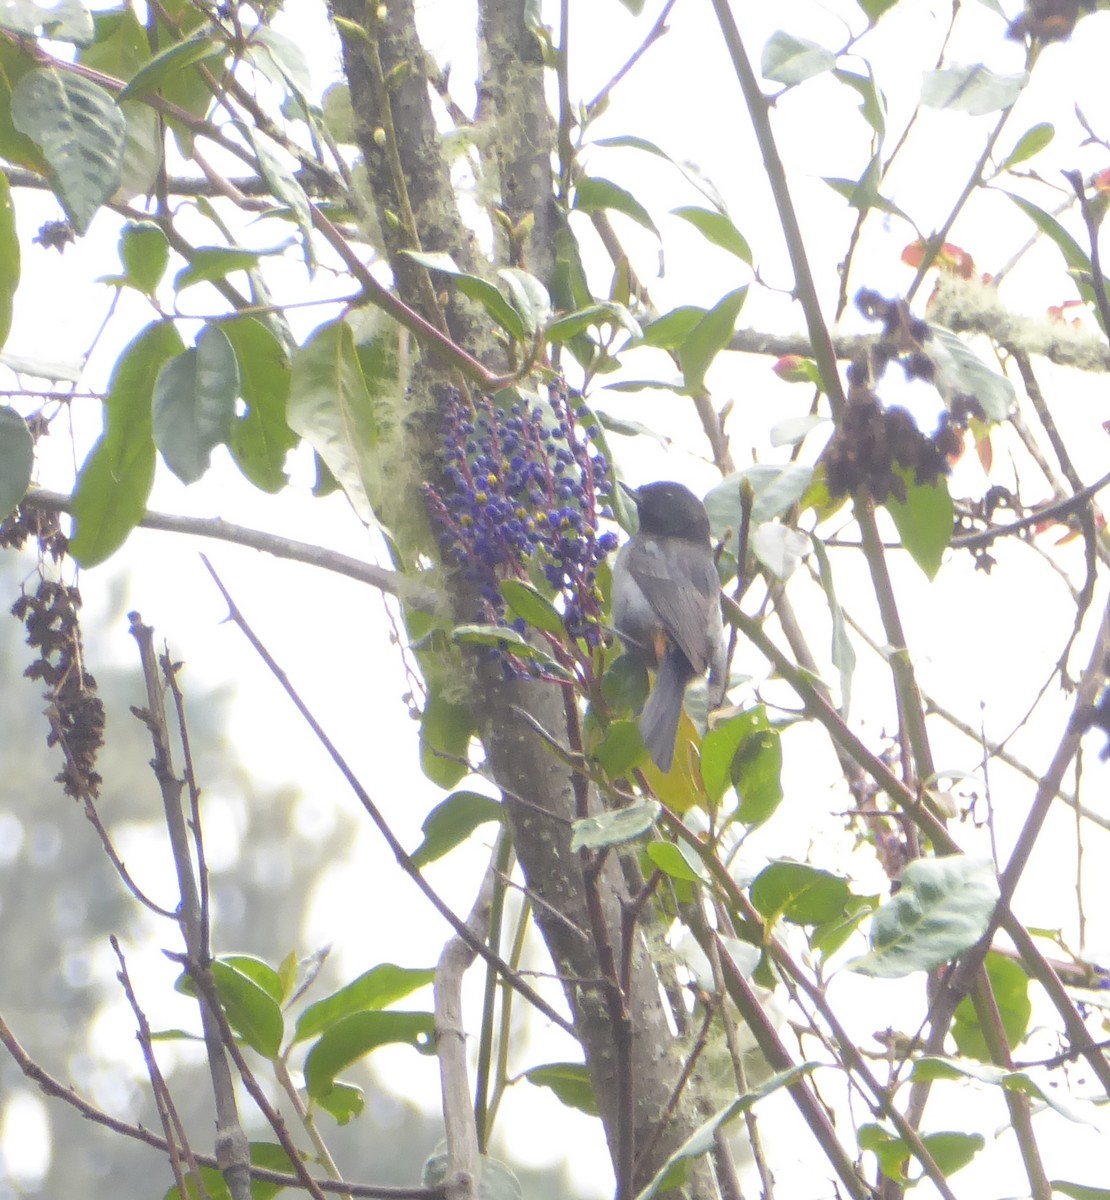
(524, 488)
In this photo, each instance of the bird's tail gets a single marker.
(659, 720)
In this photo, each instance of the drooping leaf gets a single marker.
(144, 252)
(1010, 987)
(114, 484)
(333, 409)
(17, 459)
(194, 404)
(213, 262)
(452, 821)
(357, 1035)
(678, 861)
(285, 188)
(375, 989)
(708, 338)
(792, 60)
(445, 731)
(569, 1081)
(615, 826)
(251, 1011)
(942, 909)
(872, 101)
(167, 62)
(932, 1068)
(843, 652)
(532, 607)
(924, 521)
(595, 195)
(342, 1102)
(960, 372)
(475, 288)
(971, 88)
(81, 133)
(9, 258)
(260, 438)
(65, 21)
(716, 227)
(621, 749)
(721, 744)
(669, 331)
(779, 548)
(702, 1140)
(529, 297)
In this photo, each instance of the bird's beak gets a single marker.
(632, 493)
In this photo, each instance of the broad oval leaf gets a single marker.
(17, 459)
(792, 60)
(445, 729)
(194, 404)
(81, 133)
(924, 521)
(251, 1011)
(452, 821)
(1010, 987)
(533, 607)
(615, 826)
(529, 297)
(569, 1081)
(144, 252)
(800, 893)
(779, 548)
(971, 88)
(943, 908)
(260, 438)
(355, 1036)
(1031, 143)
(66, 21)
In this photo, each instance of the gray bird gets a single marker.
(667, 607)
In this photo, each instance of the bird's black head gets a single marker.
(670, 510)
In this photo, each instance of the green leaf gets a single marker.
(342, 1101)
(756, 773)
(532, 607)
(596, 195)
(477, 289)
(168, 62)
(1010, 986)
(285, 188)
(843, 652)
(802, 894)
(258, 970)
(17, 459)
(717, 227)
(501, 637)
(371, 991)
(445, 730)
(615, 826)
(194, 404)
(251, 1011)
(452, 821)
(931, 1068)
(262, 1154)
(924, 521)
(569, 1081)
(971, 88)
(775, 489)
(792, 60)
(950, 1151)
(66, 21)
(960, 372)
(81, 133)
(260, 438)
(703, 1139)
(115, 482)
(1030, 144)
(213, 262)
(720, 745)
(357, 1035)
(1080, 1191)
(874, 9)
(604, 313)
(144, 252)
(669, 331)
(529, 297)
(828, 936)
(9, 258)
(621, 749)
(677, 861)
(943, 908)
(16, 147)
(332, 407)
(872, 101)
(708, 338)
(688, 171)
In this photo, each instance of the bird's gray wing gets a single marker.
(684, 609)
